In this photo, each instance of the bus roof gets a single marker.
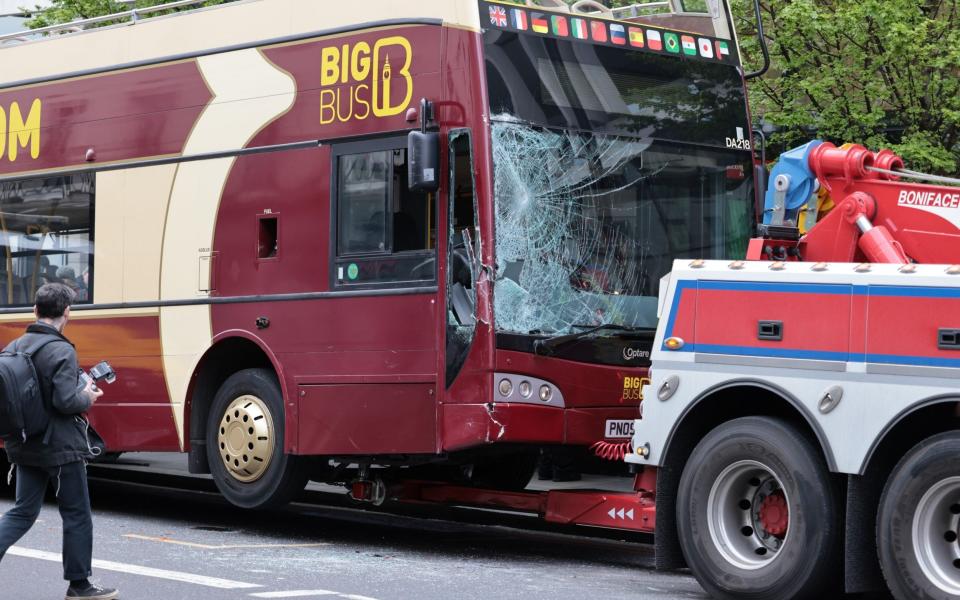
(204, 30)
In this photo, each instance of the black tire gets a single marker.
(927, 467)
(745, 560)
(509, 473)
(284, 475)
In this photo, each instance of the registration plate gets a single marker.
(621, 428)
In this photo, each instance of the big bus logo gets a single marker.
(17, 132)
(359, 81)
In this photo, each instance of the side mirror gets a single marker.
(423, 161)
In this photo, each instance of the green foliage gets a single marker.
(64, 11)
(883, 73)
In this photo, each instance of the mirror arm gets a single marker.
(426, 114)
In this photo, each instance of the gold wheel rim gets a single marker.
(246, 438)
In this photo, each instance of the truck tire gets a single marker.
(245, 441)
(757, 513)
(919, 521)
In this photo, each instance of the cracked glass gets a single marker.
(608, 166)
(587, 224)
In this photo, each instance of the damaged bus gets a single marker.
(400, 240)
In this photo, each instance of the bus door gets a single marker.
(462, 256)
(378, 394)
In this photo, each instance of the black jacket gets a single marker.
(65, 440)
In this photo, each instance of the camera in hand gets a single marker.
(102, 371)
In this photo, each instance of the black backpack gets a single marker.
(22, 409)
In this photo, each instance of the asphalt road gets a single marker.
(154, 543)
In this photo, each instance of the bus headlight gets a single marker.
(546, 393)
(525, 389)
(506, 387)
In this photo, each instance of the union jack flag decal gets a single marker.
(498, 16)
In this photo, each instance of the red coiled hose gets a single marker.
(611, 451)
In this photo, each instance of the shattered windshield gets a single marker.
(609, 163)
(587, 224)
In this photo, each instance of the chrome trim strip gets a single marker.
(765, 361)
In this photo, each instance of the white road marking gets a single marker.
(356, 597)
(166, 540)
(295, 594)
(107, 565)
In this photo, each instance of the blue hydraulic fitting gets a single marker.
(795, 164)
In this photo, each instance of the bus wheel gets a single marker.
(918, 523)
(509, 473)
(245, 442)
(757, 513)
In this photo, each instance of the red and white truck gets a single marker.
(802, 414)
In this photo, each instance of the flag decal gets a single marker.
(625, 35)
(519, 19)
(579, 27)
(598, 30)
(706, 48)
(723, 50)
(498, 16)
(672, 42)
(618, 34)
(560, 27)
(540, 24)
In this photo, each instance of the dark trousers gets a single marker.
(70, 484)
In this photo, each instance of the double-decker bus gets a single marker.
(420, 235)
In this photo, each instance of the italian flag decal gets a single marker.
(579, 27)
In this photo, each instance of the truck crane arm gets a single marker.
(877, 217)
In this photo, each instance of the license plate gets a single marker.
(619, 428)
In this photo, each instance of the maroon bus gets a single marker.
(415, 240)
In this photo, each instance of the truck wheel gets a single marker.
(245, 442)
(757, 513)
(919, 522)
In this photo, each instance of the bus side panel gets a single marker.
(367, 418)
(134, 413)
(355, 342)
(121, 116)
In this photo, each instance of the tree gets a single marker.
(64, 11)
(883, 73)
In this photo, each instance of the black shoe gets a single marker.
(91, 592)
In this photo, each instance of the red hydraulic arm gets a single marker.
(878, 217)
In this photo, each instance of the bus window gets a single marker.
(461, 233)
(47, 237)
(386, 234)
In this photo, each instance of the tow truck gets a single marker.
(803, 410)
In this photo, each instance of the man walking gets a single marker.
(59, 454)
